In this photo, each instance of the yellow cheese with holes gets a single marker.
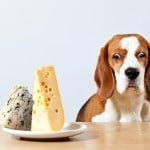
(47, 112)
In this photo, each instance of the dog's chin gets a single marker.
(132, 87)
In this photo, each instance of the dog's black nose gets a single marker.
(132, 73)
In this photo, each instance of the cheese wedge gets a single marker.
(47, 112)
(16, 112)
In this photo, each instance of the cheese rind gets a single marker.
(47, 113)
(17, 111)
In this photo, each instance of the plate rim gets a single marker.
(65, 132)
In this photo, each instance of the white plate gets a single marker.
(69, 129)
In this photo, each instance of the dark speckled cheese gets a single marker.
(17, 111)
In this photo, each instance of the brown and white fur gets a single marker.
(122, 76)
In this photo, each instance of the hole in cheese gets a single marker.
(42, 83)
(46, 86)
(50, 89)
(38, 91)
(47, 74)
(48, 99)
(56, 110)
(47, 104)
(34, 112)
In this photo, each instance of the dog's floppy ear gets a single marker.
(104, 75)
(147, 77)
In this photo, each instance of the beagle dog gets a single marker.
(122, 76)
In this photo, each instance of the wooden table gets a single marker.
(99, 136)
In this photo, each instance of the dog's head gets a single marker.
(123, 64)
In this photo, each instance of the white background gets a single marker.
(67, 34)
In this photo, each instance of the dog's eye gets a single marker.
(116, 56)
(141, 55)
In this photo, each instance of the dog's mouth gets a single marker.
(132, 84)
